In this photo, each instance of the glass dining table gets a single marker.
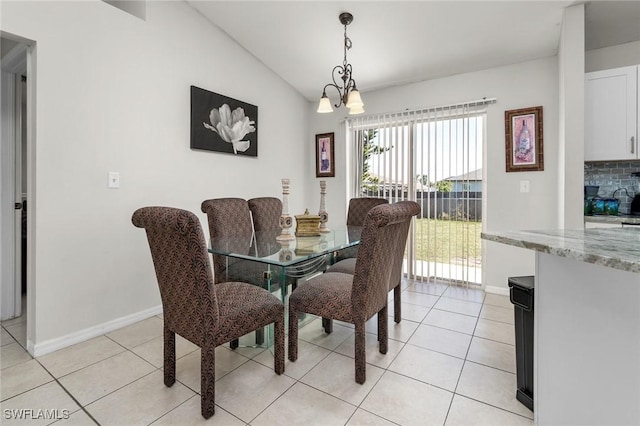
(260, 259)
(282, 261)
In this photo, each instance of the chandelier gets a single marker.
(349, 95)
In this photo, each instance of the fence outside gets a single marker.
(440, 205)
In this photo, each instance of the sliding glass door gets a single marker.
(433, 157)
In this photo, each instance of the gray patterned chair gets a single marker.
(346, 258)
(356, 298)
(347, 266)
(207, 315)
(266, 212)
(228, 216)
(357, 212)
(231, 216)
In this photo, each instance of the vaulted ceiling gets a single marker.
(399, 42)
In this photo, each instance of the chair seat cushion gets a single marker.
(346, 266)
(244, 308)
(327, 295)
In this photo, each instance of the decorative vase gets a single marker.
(324, 216)
(286, 221)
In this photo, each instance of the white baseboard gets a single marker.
(91, 332)
(503, 291)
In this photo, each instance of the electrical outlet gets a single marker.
(524, 186)
(113, 180)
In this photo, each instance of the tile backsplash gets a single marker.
(614, 176)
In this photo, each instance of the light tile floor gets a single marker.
(451, 361)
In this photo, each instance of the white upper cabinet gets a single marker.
(611, 114)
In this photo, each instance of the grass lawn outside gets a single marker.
(448, 241)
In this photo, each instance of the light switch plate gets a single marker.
(524, 186)
(113, 180)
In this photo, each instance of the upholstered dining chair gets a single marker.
(346, 258)
(226, 217)
(206, 314)
(229, 217)
(356, 213)
(347, 266)
(358, 297)
(266, 212)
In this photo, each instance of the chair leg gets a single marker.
(278, 345)
(169, 357)
(383, 329)
(327, 324)
(293, 334)
(234, 344)
(360, 354)
(207, 380)
(260, 336)
(397, 290)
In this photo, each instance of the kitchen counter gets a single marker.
(617, 248)
(586, 324)
(623, 218)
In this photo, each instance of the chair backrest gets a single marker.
(266, 212)
(183, 271)
(400, 245)
(359, 207)
(226, 216)
(378, 251)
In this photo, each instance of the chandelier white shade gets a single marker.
(347, 90)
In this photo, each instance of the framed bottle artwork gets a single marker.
(325, 166)
(523, 139)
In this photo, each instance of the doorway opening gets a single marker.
(15, 218)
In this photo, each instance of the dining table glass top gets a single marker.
(265, 248)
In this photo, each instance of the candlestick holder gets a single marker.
(286, 221)
(324, 216)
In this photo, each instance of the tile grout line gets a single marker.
(455, 389)
(82, 408)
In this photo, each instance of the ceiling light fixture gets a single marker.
(349, 95)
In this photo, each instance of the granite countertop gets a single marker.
(622, 218)
(617, 248)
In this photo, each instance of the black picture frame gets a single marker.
(241, 140)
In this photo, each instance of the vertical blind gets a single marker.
(432, 156)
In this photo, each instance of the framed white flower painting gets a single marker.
(223, 124)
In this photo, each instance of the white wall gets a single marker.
(517, 86)
(621, 55)
(336, 197)
(113, 95)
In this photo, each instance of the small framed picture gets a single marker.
(325, 166)
(523, 139)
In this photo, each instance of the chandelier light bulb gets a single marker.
(325, 104)
(354, 99)
(356, 110)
